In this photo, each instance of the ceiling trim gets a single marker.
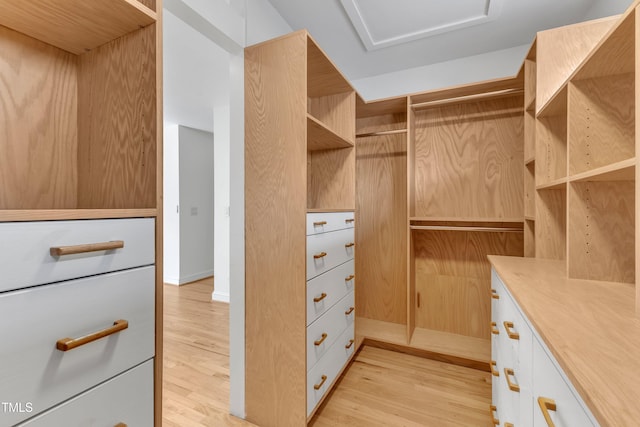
(353, 9)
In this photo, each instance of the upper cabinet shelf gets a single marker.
(320, 137)
(75, 25)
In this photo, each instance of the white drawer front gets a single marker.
(327, 250)
(329, 366)
(325, 290)
(329, 221)
(126, 399)
(328, 328)
(26, 260)
(34, 370)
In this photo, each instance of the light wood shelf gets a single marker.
(529, 237)
(464, 220)
(529, 190)
(529, 135)
(328, 210)
(454, 345)
(74, 214)
(75, 25)
(624, 170)
(320, 137)
(556, 184)
(551, 223)
(529, 218)
(551, 142)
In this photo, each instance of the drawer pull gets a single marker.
(350, 344)
(508, 326)
(321, 340)
(89, 247)
(120, 425)
(319, 223)
(349, 245)
(320, 298)
(349, 277)
(494, 328)
(66, 344)
(512, 385)
(494, 294)
(494, 371)
(317, 386)
(547, 405)
(508, 425)
(320, 255)
(494, 410)
(348, 312)
(349, 220)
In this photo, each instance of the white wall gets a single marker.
(263, 22)
(171, 199)
(604, 8)
(196, 159)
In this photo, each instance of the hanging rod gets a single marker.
(436, 103)
(458, 228)
(382, 132)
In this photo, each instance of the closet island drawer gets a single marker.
(327, 250)
(329, 221)
(325, 290)
(322, 333)
(117, 309)
(124, 400)
(35, 253)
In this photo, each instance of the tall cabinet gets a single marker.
(81, 212)
(300, 195)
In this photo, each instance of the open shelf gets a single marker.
(530, 85)
(75, 25)
(529, 237)
(551, 223)
(320, 137)
(73, 214)
(529, 190)
(553, 185)
(620, 171)
(529, 136)
(454, 345)
(416, 220)
(602, 231)
(551, 143)
(377, 330)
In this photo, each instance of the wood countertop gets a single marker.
(590, 327)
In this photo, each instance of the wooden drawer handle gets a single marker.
(321, 340)
(508, 326)
(349, 277)
(319, 223)
(508, 425)
(547, 405)
(320, 255)
(66, 344)
(494, 328)
(89, 247)
(508, 372)
(350, 344)
(494, 371)
(320, 298)
(349, 245)
(120, 425)
(349, 220)
(494, 410)
(494, 294)
(317, 386)
(348, 312)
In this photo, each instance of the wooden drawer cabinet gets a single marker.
(329, 221)
(327, 289)
(126, 399)
(35, 369)
(328, 250)
(26, 249)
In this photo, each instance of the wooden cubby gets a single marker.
(551, 223)
(551, 142)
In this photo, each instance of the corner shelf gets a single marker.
(75, 25)
(320, 137)
(624, 170)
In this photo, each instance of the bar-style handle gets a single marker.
(494, 371)
(89, 247)
(547, 405)
(320, 298)
(66, 344)
(348, 312)
(120, 425)
(320, 255)
(508, 326)
(319, 223)
(494, 328)
(349, 245)
(494, 294)
(317, 386)
(508, 425)
(349, 277)
(513, 386)
(321, 340)
(349, 220)
(494, 410)
(350, 344)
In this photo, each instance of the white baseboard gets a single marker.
(172, 280)
(220, 296)
(196, 276)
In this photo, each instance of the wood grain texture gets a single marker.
(38, 124)
(529, 238)
(551, 145)
(530, 190)
(320, 137)
(417, 393)
(469, 160)
(601, 241)
(637, 65)
(624, 170)
(596, 345)
(411, 197)
(331, 179)
(468, 89)
(551, 223)
(381, 107)
(381, 203)
(529, 85)
(601, 122)
(453, 278)
(382, 123)
(323, 77)
(275, 229)
(560, 51)
(117, 120)
(66, 214)
(337, 112)
(75, 25)
(529, 135)
(151, 4)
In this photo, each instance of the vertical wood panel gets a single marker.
(551, 148)
(551, 224)
(38, 124)
(411, 209)
(331, 179)
(637, 145)
(117, 119)
(275, 228)
(337, 112)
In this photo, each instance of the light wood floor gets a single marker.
(380, 388)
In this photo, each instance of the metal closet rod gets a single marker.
(495, 93)
(463, 228)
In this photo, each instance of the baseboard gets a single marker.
(194, 277)
(175, 281)
(220, 296)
